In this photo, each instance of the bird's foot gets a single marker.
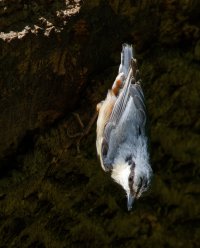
(98, 107)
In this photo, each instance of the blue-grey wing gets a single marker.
(130, 106)
(127, 121)
(138, 111)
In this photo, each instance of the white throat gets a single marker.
(120, 174)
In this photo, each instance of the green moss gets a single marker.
(88, 234)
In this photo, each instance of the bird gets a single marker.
(121, 139)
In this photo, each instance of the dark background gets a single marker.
(60, 57)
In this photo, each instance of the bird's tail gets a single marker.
(125, 69)
(126, 56)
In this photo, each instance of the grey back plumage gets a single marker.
(128, 118)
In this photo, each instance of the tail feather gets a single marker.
(126, 56)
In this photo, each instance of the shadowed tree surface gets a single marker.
(62, 56)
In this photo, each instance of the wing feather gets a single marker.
(128, 116)
(129, 112)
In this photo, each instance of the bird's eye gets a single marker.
(130, 179)
(128, 159)
(145, 183)
(104, 148)
(140, 183)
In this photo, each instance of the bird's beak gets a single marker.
(130, 200)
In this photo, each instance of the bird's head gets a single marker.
(133, 178)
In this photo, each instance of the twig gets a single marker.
(85, 132)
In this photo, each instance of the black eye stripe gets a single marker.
(104, 148)
(137, 192)
(143, 184)
(131, 179)
(130, 161)
(141, 181)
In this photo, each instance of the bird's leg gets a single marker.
(85, 131)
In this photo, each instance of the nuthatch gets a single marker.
(121, 140)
